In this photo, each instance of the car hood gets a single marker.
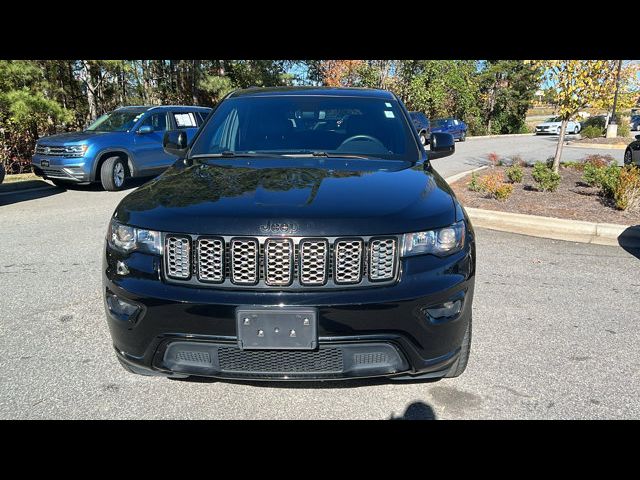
(310, 196)
(71, 137)
(549, 124)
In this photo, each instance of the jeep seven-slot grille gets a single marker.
(284, 262)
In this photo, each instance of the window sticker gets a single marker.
(185, 120)
(389, 114)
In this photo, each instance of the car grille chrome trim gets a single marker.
(291, 263)
(56, 151)
(278, 261)
(210, 259)
(348, 261)
(382, 259)
(314, 260)
(244, 261)
(177, 257)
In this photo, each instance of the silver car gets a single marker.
(553, 124)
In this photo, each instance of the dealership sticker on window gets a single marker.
(389, 114)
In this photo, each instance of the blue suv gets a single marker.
(124, 143)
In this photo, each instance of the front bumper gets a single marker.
(72, 169)
(368, 332)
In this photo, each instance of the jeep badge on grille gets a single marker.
(272, 227)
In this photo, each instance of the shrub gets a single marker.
(592, 131)
(546, 179)
(493, 158)
(518, 161)
(626, 193)
(623, 128)
(473, 185)
(514, 173)
(605, 178)
(574, 165)
(503, 192)
(597, 121)
(598, 160)
(493, 185)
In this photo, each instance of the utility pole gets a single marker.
(612, 128)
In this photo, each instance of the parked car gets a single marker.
(632, 152)
(634, 123)
(124, 143)
(2, 172)
(423, 126)
(273, 249)
(455, 127)
(553, 124)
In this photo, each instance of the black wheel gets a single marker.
(2, 172)
(463, 137)
(113, 174)
(575, 130)
(628, 158)
(423, 138)
(461, 364)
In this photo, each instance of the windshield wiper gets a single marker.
(342, 155)
(230, 154)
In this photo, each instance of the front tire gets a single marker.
(113, 173)
(423, 139)
(463, 137)
(576, 130)
(461, 363)
(628, 157)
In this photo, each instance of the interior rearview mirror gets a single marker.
(441, 145)
(175, 142)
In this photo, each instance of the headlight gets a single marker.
(441, 242)
(76, 150)
(127, 238)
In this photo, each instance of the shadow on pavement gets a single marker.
(417, 411)
(629, 240)
(9, 194)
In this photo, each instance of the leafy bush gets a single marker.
(574, 165)
(626, 193)
(592, 131)
(473, 185)
(546, 179)
(595, 121)
(605, 178)
(493, 158)
(517, 160)
(503, 192)
(514, 173)
(623, 128)
(598, 160)
(494, 186)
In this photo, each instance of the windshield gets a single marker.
(438, 123)
(553, 119)
(305, 124)
(116, 121)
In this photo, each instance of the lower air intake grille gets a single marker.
(280, 361)
(194, 357)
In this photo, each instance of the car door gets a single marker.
(149, 153)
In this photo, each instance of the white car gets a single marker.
(552, 126)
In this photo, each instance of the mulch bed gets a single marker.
(572, 200)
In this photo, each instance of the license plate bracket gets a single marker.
(277, 328)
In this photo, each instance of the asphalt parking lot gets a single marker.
(555, 332)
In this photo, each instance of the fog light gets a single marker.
(120, 308)
(447, 309)
(121, 268)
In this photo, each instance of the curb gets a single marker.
(478, 137)
(597, 146)
(553, 228)
(458, 176)
(23, 186)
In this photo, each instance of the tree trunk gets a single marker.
(556, 159)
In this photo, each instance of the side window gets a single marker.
(158, 121)
(203, 116)
(185, 119)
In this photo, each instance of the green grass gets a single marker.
(20, 177)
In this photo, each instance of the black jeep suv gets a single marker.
(302, 234)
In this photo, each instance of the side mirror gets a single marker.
(144, 129)
(441, 145)
(175, 142)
